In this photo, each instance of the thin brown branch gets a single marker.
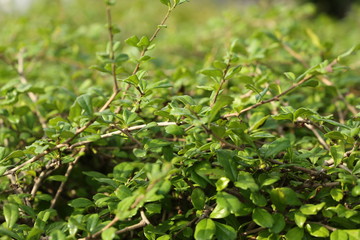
(155, 34)
(317, 135)
(33, 159)
(67, 174)
(324, 79)
(205, 214)
(315, 185)
(324, 225)
(114, 133)
(302, 169)
(70, 147)
(50, 167)
(256, 230)
(110, 224)
(128, 134)
(277, 97)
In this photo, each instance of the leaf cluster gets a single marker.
(216, 134)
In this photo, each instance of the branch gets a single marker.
(277, 97)
(137, 67)
(67, 174)
(144, 221)
(71, 147)
(324, 79)
(306, 170)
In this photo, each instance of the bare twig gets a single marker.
(144, 221)
(320, 139)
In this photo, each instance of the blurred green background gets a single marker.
(64, 36)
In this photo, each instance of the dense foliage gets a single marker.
(235, 125)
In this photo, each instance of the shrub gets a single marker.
(258, 139)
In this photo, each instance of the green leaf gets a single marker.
(317, 230)
(339, 235)
(311, 209)
(9, 233)
(144, 42)
(262, 218)
(295, 234)
(59, 178)
(124, 209)
(34, 234)
(225, 159)
(109, 234)
(258, 199)
(85, 103)
(11, 214)
(166, 2)
(225, 232)
(139, 153)
(304, 113)
(14, 154)
(335, 135)
(222, 183)
(205, 229)
(212, 72)
(230, 202)
(174, 130)
(2, 152)
(246, 181)
(133, 40)
(256, 120)
(165, 237)
(198, 198)
(281, 197)
(92, 222)
(221, 102)
(277, 146)
(57, 235)
(220, 212)
(300, 219)
(336, 194)
(81, 203)
(279, 223)
(291, 76)
(337, 152)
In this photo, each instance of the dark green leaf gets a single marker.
(198, 198)
(225, 232)
(81, 203)
(246, 181)
(262, 218)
